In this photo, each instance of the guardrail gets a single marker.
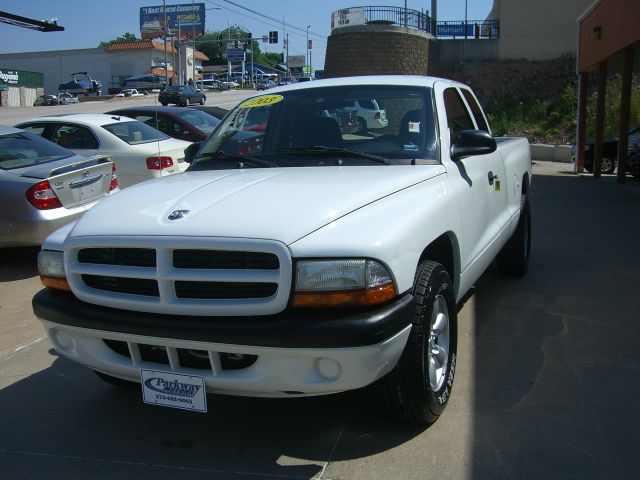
(468, 29)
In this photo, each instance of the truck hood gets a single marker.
(283, 204)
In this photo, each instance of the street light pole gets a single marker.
(306, 60)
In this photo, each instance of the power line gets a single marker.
(255, 12)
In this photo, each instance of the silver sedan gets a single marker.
(45, 186)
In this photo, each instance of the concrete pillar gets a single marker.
(602, 91)
(625, 108)
(583, 86)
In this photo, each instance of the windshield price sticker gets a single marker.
(173, 390)
(261, 101)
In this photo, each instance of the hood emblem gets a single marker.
(177, 214)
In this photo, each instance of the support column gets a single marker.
(583, 85)
(602, 91)
(625, 108)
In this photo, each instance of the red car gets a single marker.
(183, 123)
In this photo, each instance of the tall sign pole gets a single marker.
(166, 65)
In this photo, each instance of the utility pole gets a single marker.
(166, 65)
(288, 72)
(193, 52)
(179, 54)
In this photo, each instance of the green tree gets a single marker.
(126, 37)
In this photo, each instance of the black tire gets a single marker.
(362, 125)
(409, 393)
(118, 382)
(164, 104)
(513, 259)
(608, 165)
(187, 102)
(204, 99)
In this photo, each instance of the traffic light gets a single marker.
(273, 36)
(247, 42)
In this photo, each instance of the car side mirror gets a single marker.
(473, 142)
(191, 151)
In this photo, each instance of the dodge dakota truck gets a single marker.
(293, 258)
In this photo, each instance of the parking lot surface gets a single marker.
(546, 385)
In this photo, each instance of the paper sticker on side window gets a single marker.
(261, 101)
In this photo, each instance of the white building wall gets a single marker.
(57, 66)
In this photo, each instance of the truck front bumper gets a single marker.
(293, 354)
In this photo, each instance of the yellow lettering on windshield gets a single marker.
(261, 101)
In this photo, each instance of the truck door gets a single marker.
(475, 180)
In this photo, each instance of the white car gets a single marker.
(129, 92)
(65, 98)
(139, 151)
(370, 115)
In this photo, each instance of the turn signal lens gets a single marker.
(55, 283)
(349, 298)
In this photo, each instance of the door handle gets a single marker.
(491, 177)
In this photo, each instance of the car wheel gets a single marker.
(607, 165)
(513, 259)
(362, 125)
(164, 104)
(417, 390)
(118, 382)
(204, 99)
(186, 102)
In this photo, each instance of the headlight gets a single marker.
(342, 283)
(51, 269)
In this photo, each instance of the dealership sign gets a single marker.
(10, 77)
(186, 18)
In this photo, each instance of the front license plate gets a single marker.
(173, 390)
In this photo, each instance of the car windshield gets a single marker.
(134, 132)
(23, 149)
(321, 127)
(201, 121)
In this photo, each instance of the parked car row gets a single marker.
(60, 99)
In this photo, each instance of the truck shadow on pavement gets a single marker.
(18, 263)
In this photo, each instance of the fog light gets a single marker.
(329, 368)
(62, 340)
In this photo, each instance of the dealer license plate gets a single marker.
(173, 390)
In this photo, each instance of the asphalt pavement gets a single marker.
(546, 385)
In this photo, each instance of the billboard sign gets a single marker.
(347, 17)
(453, 30)
(235, 54)
(188, 18)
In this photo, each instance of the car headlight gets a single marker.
(51, 269)
(342, 283)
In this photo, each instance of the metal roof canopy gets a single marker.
(606, 29)
(24, 22)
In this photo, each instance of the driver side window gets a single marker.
(458, 118)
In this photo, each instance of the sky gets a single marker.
(87, 23)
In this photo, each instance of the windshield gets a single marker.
(306, 127)
(134, 132)
(201, 121)
(18, 150)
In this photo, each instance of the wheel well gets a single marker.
(525, 184)
(443, 250)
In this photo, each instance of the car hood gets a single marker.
(283, 204)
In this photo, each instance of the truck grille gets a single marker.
(206, 277)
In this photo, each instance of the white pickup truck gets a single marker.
(295, 256)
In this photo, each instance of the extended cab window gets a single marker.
(475, 109)
(458, 118)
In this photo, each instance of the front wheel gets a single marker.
(187, 102)
(204, 99)
(417, 390)
(164, 104)
(608, 165)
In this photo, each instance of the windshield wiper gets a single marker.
(241, 159)
(334, 150)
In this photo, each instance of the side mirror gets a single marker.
(191, 151)
(473, 142)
